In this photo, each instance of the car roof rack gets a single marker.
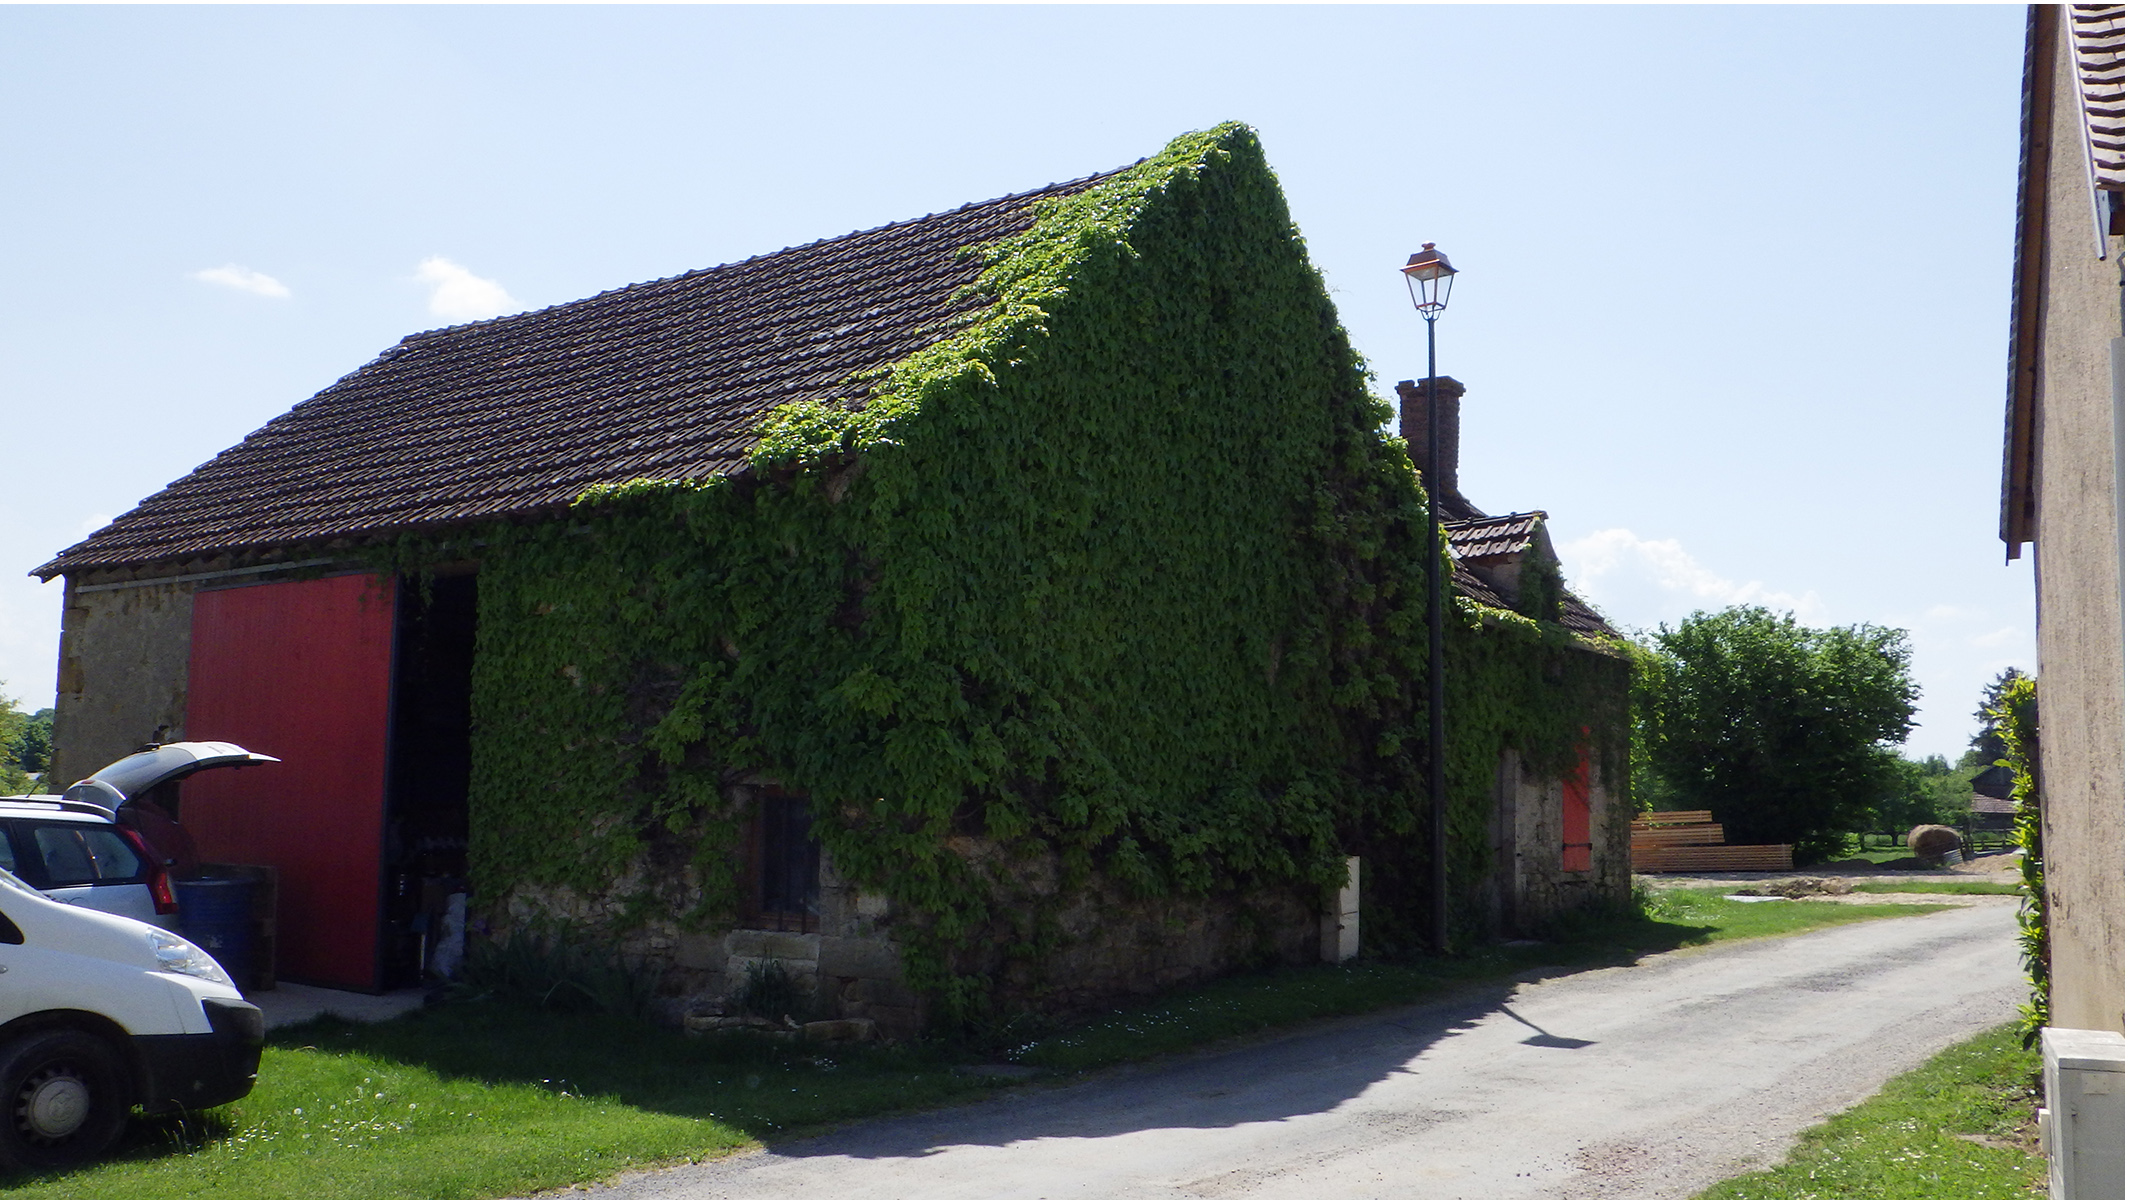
(64, 805)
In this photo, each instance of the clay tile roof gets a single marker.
(1482, 537)
(1983, 803)
(1467, 584)
(1582, 618)
(520, 414)
(2097, 42)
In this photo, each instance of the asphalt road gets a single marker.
(1648, 1081)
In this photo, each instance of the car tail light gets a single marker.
(166, 902)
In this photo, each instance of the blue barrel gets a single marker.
(216, 914)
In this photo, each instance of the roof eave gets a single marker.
(2015, 493)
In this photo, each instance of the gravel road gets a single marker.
(1648, 1081)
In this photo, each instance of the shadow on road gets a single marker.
(1282, 1076)
(770, 1091)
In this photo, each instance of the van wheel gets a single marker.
(65, 1098)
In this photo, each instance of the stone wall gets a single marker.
(123, 667)
(1104, 945)
(1529, 884)
(1109, 945)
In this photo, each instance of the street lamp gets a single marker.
(1428, 277)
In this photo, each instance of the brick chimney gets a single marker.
(1413, 427)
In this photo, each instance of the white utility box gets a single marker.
(1339, 927)
(2083, 1123)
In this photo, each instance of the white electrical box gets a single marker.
(1339, 927)
(2083, 1123)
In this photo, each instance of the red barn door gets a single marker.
(303, 671)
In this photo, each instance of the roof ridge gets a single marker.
(1083, 182)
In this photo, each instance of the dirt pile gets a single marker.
(1797, 887)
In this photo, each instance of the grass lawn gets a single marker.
(1878, 855)
(482, 1098)
(1936, 886)
(1960, 1126)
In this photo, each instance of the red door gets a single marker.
(302, 671)
(1576, 815)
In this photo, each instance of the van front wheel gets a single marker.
(65, 1098)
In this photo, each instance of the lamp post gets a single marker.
(1428, 277)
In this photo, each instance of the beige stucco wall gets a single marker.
(2078, 587)
(122, 673)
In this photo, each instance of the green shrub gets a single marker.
(551, 969)
(771, 992)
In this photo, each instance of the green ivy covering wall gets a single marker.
(2013, 717)
(1123, 570)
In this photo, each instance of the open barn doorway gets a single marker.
(431, 767)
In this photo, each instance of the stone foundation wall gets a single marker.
(1111, 946)
(848, 968)
(1104, 945)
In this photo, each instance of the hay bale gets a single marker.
(1929, 843)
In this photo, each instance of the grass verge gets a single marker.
(1972, 887)
(484, 1098)
(1251, 1002)
(1875, 850)
(1959, 1126)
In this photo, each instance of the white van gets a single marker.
(99, 1014)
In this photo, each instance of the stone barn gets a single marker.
(1012, 608)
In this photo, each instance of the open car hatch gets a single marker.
(112, 785)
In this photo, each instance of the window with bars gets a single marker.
(784, 889)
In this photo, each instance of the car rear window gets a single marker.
(85, 855)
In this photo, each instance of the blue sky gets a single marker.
(1734, 283)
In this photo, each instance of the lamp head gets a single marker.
(1428, 277)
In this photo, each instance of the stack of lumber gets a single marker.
(1688, 841)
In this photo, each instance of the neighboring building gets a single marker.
(1016, 601)
(1994, 814)
(2063, 484)
(1994, 781)
(1991, 808)
(1557, 842)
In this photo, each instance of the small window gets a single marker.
(785, 863)
(85, 855)
(7, 851)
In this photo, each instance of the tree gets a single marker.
(33, 749)
(1912, 794)
(1784, 732)
(1985, 747)
(21, 737)
(1926, 790)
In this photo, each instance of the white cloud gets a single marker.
(243, 279)
(2005, 637)
(457, 294)
(91, 524)
(1643, 581)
